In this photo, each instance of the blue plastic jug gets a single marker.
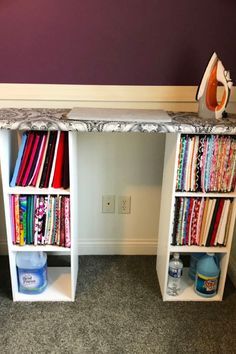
(32, 272)
(193, 264)
(207, 275)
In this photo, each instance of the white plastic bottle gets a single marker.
(174, 275)
(32, 272)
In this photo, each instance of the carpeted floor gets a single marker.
(118, 309)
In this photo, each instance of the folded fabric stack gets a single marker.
(43, 160)
(40, 220)
(206, 163)
(202, 221)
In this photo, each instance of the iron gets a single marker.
(208, 105)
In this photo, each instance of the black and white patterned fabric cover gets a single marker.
(55, 119)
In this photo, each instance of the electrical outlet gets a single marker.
(124, 205)
(108, 203)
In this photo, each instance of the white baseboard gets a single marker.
(232, 270)
(104, 247)
(128, 247)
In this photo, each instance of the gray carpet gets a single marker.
(118, 310)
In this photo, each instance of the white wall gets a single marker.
(119, 164)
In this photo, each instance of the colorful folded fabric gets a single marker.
(206, 163)
(41, 220)
(42, 161)
(201, 221)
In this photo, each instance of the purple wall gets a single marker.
(127, 42)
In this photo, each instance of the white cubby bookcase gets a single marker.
(165, 249)
(61, 280)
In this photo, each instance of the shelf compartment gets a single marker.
(38, 191)
(58, 288)
(187, 292)
(44, 248)
(198, 249)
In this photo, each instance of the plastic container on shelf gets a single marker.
(174, 275)
(207, 275)
(193, 264)
(32, 272)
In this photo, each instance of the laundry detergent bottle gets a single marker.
(193, 264)
(207, 275)
(31, 272)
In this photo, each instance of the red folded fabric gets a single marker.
(57, 179)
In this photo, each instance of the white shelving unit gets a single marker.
(165, 249)
(61, 280)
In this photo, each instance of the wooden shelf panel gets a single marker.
(33, 190)
(209, 195)
(44, 248)
(198, 249)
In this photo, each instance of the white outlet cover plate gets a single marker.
(108, 203)
(124, 204)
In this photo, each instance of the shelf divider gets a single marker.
(33, 190)
(198, 249)
(44, 248)
(208, 194)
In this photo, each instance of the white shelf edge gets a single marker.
(209, 194)
(192, 298)
(33, 190)
(44, 248)
(187, 293)
(198, 249)
(58, 288)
